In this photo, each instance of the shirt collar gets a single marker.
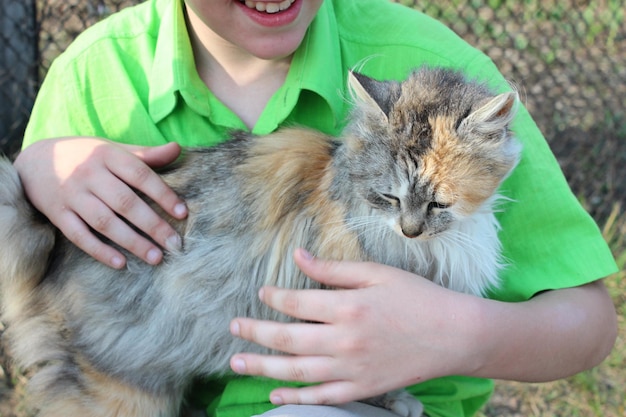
(173, 69)
(316, 66)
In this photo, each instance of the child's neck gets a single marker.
(242, 81)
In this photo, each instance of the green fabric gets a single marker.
(131, 78)
(246, 396)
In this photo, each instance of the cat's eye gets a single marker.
(436, 205)
(391, 199)
(383, 200)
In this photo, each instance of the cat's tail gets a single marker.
(26, 240)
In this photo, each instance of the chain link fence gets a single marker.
(18, 67)
(32, 34)
(566, 57)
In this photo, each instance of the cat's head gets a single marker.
(431, 150)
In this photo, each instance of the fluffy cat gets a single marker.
(411, 183)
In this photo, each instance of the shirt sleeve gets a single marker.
(58, 110)
(549, 240)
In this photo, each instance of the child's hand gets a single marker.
(384, 329)
(83, 182)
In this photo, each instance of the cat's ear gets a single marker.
(492, 120)
(493, 115)
(380, 95)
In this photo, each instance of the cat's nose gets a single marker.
(412, 231)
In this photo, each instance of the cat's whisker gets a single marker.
(460, 238)
(366, 226)
(457, 236)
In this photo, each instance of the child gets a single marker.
(166, 73)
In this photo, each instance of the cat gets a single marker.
(411, 182)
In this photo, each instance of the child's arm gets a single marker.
(390, 329)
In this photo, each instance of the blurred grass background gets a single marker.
(566, 57)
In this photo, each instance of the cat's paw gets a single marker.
(404, 404)
(399, 402)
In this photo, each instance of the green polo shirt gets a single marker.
(131, 78)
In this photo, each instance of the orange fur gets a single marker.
(298, 166)
(302, 169)
(458, 175)
(103, 396)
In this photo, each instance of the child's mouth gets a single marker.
(268, 7)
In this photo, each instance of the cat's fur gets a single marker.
(422, 158)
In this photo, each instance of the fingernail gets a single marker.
(173, 243)
(277, 400)
(153, 256)
(239, 366)
(306, 254)
(180, 210)
(234, 328)
(117, 262)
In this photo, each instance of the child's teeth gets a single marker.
(269, 7)
(285, 4)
